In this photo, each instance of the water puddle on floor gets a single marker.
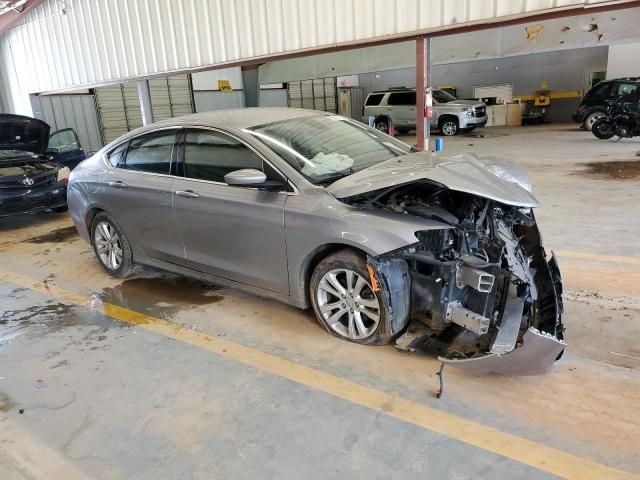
(53, 317)
(60, 235)
(613, 170)
(160, 296)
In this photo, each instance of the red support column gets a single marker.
(422, 83)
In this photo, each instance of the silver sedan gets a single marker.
(320, 211)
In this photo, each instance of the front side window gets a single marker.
(64, 141)
(151, 152)
(624, 89)
(325, 148)
(210, 155)
(440, 96)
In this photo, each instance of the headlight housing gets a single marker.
(63, 175)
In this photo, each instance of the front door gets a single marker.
(138, 194)
(232, 232)
(65, 148)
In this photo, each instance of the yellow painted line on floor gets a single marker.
(598, 258)
(472, 433)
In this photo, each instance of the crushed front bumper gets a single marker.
(537, 354)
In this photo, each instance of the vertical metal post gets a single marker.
(144, 95)
(423, 81)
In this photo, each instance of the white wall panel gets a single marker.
(97, 41)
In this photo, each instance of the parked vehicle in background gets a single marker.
(398, 106)
(321, 211)
(622, 118)
(34, 167)
(595, 102)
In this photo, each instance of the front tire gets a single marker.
(111, 246)
(344, 301)
(603, 129)
(448, 126)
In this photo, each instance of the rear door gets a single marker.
(64, 147)
(137, 194)
(402, 106)
(232, 232)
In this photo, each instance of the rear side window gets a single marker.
(402, 98)
(151, 152)
(373, 100)
(116, 157)
(600, 90)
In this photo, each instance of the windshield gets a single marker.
(443, 97)
(326, 148)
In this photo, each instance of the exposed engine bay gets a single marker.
(480, 285)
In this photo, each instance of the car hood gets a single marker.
(23, 133)
(499, 181)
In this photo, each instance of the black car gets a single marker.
(33, 173)
(594, 103)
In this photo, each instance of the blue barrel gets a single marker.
(439, 144)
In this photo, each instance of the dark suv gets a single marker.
(594, 103)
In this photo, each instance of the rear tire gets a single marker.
(591, 119)
(382, 124)
(111, 246)
(350, 311)
(603, 129)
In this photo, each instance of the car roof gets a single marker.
(232, 118)
(239, 118)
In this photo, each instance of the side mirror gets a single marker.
(51, 151)
(247, 177)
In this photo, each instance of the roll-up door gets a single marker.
(70, 111)
(119, 106)
(317, 94)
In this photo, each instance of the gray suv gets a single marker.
(398, 107)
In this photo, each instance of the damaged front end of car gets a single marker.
(483, 294)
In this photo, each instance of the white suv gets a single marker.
(398, 106)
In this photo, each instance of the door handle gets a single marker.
(117, 184)
(187, 193)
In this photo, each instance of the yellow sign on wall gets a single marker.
(224, 85)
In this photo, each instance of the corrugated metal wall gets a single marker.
(71, 111)
(88, 42)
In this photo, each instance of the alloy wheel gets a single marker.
(591, 119)
(108, 245)
(348, 304)
(382, 126)
(449, 128)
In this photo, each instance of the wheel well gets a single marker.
(91, 214)
(314, 258)
(447, 116)
(382, 117)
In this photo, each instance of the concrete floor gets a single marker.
(162, 377)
